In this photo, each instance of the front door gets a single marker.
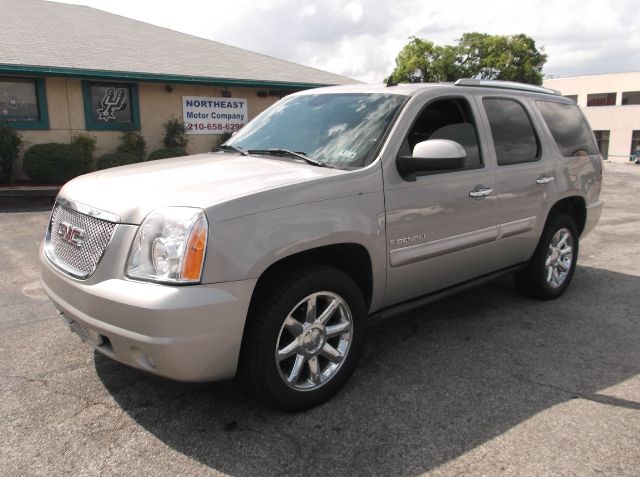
(441, 228)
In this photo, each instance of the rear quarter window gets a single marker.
(569, 128)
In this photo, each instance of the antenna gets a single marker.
(390, 81)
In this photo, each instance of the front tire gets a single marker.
(551, 268)
(304, 337)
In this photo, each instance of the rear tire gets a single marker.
(304, 337)
(551, 268)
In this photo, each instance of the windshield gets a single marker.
(340, 130)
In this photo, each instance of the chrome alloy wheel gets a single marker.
(314, 341)
(559, 258)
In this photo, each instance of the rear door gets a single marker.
(525, 176)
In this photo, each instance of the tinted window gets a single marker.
(569, 128)
(446, 119)
(513, 136)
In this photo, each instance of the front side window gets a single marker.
(22, 103)
(111, 106)
(569, 128)
(340, 130)
(447, 118)
(514, 139)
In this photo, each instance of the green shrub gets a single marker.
(132, 143)
(10, 144)
(175, 136)
(86, 144)
(116, 159)
(53, 163)
(166, 153)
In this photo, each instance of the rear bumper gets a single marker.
(187, 333)
(594, 211)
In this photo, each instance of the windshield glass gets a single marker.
(341, 130)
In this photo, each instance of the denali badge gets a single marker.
(408, 240)
(71, 234)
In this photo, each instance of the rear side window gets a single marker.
(513, 136)
(569, 128)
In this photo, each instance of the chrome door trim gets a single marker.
(436, 248)
(516, 227)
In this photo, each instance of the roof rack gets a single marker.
(506, 85)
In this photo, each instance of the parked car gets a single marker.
(267, 257)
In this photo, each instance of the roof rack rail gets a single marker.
(506, 85)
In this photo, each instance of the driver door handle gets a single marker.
(545, 179)
(480, 191)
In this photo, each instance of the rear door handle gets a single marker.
(545, 179)
(480, 191)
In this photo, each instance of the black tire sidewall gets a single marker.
(538, 262)
(320, 278)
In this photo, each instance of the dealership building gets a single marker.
(69, 69)
(611, 103)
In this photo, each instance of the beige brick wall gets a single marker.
(157, 104)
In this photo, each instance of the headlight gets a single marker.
(170, 246)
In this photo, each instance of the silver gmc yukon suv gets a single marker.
(266, 258)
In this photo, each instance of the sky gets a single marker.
(361, 38)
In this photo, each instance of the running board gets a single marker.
(408, 305)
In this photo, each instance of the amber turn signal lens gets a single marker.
(194, 255)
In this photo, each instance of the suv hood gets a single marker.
(201, 180)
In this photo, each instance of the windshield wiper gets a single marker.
(229, 147)
(287, 152)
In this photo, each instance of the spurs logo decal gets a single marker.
(114, 99)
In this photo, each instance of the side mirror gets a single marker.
(435, 155)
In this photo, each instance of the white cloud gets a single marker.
(361, 38)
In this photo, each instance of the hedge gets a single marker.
(166, 153)
(54, 163)
(116, 159)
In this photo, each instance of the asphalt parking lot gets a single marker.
(483, 383)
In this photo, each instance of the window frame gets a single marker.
(536, 133)
(475, 123)
(91, 125)
(43, 111)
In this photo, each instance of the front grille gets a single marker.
(77, 256)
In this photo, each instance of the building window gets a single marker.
(601, 99)
(23, 103)
(572, 97)
(602, 139)
(635, 145)
(630, 97)
(111, 106)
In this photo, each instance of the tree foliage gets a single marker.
(475, 55)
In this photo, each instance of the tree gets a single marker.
(475, 55)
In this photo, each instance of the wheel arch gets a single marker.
(352, 258)
(573, 206)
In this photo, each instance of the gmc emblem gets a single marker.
(71, 234)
